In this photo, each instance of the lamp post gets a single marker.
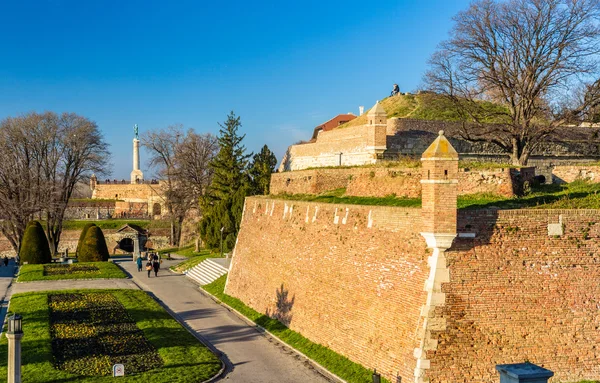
(14, 335)
(222, 229)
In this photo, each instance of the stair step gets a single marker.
(206, 272)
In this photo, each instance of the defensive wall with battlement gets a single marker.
(433, 294)
(135, 199)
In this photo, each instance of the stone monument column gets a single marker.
(136, 174)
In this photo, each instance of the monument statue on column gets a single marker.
(136, 175)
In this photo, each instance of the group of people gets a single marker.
(5, 261)
(152, 264)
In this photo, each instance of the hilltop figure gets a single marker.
(396, 90)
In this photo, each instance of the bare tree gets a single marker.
(181, 161)
(532, 58)
(42, 157)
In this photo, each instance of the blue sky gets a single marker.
(284, 67)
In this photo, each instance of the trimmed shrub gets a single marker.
(34, 246)
(82, 235)
(93, 248)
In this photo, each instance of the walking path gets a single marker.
(250, 356)
(6, 279)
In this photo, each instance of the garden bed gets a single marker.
(84, 270)
(77, 335)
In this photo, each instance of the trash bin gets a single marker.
(523, 373)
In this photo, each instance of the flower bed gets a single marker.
(70, 269)
(92, 331)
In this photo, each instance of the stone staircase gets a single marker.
(208, 270)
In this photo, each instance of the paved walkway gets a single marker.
(250, 356)
(6, 278)
(25, 287)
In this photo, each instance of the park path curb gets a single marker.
(319, 368)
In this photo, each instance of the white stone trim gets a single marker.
(438, 274)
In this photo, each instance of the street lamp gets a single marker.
(14, 335)
(376, 377)
(222, 229)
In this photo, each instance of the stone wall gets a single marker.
(128, 192)
(351, 278)
(345, 147)
(347, 277)
(566, 173)
(384, 181)
(408, 137)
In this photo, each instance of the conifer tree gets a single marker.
(263, 164)
(230, 184)
(34, 247)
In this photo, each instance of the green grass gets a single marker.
(29, 273)
(116, 224)
(332, 361)
(193, 260)
(576, 195)
(185, 359)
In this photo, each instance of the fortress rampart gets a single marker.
(354, 276)
(402, 182)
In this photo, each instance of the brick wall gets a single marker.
(132, 192)
(383, 181)
(517, 294)
(353, 276)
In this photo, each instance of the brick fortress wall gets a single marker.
(358, 289)
(384, 181)
(515, 292)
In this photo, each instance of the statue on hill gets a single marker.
(136, 132)
(396, 90)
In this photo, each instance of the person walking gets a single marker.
(155, 265)
(149, 267)
(5, 261)
(139, 263)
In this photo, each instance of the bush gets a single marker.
(34, 246)
(82, 235)
(93, 248)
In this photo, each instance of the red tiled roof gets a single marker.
(333, 123)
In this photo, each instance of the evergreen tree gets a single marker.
(221, 205)
(93, 248)
(263, 164)
(34, 247)
(82, 235)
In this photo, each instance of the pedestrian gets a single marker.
(18, 260)
(149, 267)
(5, 261)
(155, 265)
(139, 263)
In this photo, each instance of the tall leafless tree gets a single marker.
(531, 57)
(42, 157)
(181, 161)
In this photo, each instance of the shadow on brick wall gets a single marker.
(283, 306)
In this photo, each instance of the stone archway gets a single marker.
(126, 244)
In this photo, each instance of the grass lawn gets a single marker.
(332, 361)
(83, 270)
(575, 195)
(183, 358)
(193, 260)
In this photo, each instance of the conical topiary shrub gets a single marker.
(93, 248)
(34, 246)
(82, 235)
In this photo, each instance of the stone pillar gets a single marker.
(136, 248)
(136, 174)
(14, 357)
(439, 194)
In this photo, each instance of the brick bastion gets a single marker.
(352, 278)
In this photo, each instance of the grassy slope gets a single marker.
(193, 260)
(422, 107)
(334, 362)
(186, 359)
(28, 273)
(576, 195)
